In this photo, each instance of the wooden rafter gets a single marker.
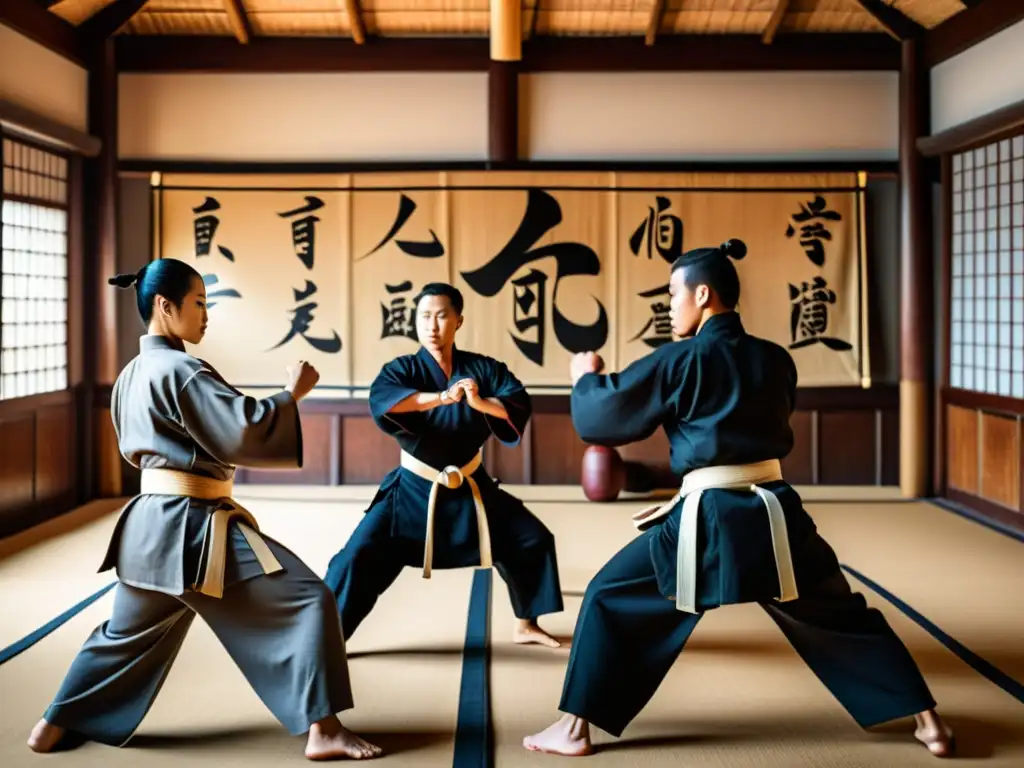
(781, 6)
(355, 21)
(895, 22)
(532, 30)
(30, 19)
(674, 53)
(239, 20)
(105, 22)
(654, 21)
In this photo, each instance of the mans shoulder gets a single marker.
(772, 350)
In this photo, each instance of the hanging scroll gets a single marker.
(325, 268)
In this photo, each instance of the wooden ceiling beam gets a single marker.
(32, 20)
(105, 22)
(774, 21)
(896, 23)
(970, 27)
(654, 21)
(239, 20)
(355, 21)
(674, 53)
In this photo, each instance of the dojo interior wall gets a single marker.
(980, 450)
(38, 454)
(844, 435)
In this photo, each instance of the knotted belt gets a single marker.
(450, 477)
(172, 482)
(742, 476)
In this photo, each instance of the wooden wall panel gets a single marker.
(1000, 460)
(847, 445)
(38, 459)
(109, 463)
(17, 463)
(654, 451)
(54, 452)
(890, 447)
(510, 466)
(984, 455)
(798, 466)
(558, 450)
(841, 436)
(962, 448)
(367, 454)
(317, 454)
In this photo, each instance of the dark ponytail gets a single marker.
(169, 278)
(734, 249)
(712, 267)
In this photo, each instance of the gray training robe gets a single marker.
(282, 629)
(182, 415)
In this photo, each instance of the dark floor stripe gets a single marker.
(958, 509)
(976, 662)
(28, 641)
(474, 742)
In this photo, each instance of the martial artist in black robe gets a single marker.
(724, 398)
(453, 414)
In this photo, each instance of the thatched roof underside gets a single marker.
(471, 18)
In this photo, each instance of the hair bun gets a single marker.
(733, 248)
(123, 281)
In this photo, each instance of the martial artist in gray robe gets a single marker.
(280, 624)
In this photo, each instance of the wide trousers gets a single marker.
(282, 630)
(628, 636)
(522, 549)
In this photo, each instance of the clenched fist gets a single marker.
(584, 363)
(302, 377)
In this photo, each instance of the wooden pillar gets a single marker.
(100, 328)
(916, 278)
(506, 30)
(503, 82)
(503, 113)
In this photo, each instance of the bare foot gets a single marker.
(330, 740)
(934, 733)
(569, 737)
(527, 631)
(44, 737)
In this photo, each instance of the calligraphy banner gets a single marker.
(402, 242)
(528, 261)
(274, 258)
(325, 267)
(801, 281)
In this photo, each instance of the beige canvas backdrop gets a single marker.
(449, 226)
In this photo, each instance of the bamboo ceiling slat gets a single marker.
(315, 23)
(472, 17)
(715, 22)
(573, 24)
(929, 13)
(185, 6)
(77, 11)
(174, 23)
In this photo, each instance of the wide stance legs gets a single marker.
(282, 630)
(628, 635)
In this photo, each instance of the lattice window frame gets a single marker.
(34, 262)
(986, 273)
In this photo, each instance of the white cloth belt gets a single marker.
(735, 477)
(172, 482)
(451, 477)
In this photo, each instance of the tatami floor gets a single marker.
(738, 696)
